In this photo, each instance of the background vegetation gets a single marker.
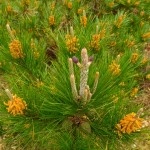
(107, 42)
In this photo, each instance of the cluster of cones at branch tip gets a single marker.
(84, 95)
(15, 105)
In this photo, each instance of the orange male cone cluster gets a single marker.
(16, 106)
(16, 49)
(119, 21)
(52, 20)
(134, 57)
(130, 123)
(72, 41)
(114, 68)
(95, 41)
(83, 19)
